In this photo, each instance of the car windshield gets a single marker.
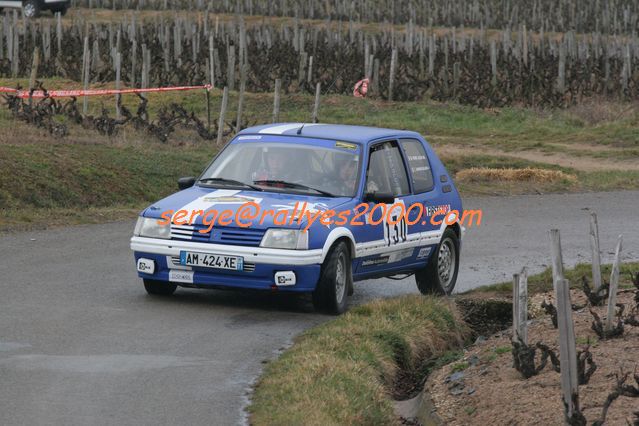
(286, 167)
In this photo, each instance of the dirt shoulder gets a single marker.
(484, 388)
(569, 159)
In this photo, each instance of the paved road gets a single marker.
(81, 343)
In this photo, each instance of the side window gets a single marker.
(418, 164)
(386, 172)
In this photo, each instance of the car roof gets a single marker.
(361, 134)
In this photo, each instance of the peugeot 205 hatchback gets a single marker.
(306, 208)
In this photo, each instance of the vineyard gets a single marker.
(492, 53)
(45, 114)
(612, 16)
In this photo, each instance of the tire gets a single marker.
(336, 278)
(440, 274)
(61, 9)
(159, 288)
(31, 8)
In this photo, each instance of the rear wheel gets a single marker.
(31, 8)
(60, 9)
(159, 288)
(440, 274)
(336, 279)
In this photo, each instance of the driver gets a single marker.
(274, 166)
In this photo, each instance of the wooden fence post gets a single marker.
(516, 308)
(456, 75)
(309, 75)
(220, 126)
(85, 75)
(596, 253)
(301, 71)
(318, 90)
(208, 109)
(34, 67)
(147, 60)
(366, 59)
(567, 349)
(118, 74)
(58, 31)
(557, 261)
(276, 101)
(493, 62)
(520, 306)
(240, 105)
(15, 59)
(144, 78)
(393, 66)
(614, 285)
(134, 57)
(432, 51)
(561, 73)
(212, 61)
(230, 72)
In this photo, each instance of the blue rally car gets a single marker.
(272, 181)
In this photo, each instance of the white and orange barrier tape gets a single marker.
(39, 94)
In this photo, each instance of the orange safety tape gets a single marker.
(39, 94)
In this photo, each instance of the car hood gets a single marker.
(237, 203)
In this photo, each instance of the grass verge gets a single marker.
(344, 371)
(542, 282)
(60, 183)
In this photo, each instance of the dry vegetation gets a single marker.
(492, 391)
(528, 174)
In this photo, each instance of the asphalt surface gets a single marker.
(81, 342)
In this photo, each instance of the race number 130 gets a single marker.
(395, 227)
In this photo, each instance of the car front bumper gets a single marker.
(260, 265)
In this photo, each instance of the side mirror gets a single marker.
(186, 182)
(379, 198)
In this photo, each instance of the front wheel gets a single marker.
(159, 288)
(31, 8)
(440, 274)
(336, 279)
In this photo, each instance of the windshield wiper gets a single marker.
(292, 185)
(231, 182)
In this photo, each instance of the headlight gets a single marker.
(294, 239)
(149, 227)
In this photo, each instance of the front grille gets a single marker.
(190, 233)
(224, 235)
(174, 263)
(238, 236)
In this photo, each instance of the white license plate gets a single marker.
(181, 276)
(207, 260)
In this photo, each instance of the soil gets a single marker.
(581, 163)
(491, 391)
